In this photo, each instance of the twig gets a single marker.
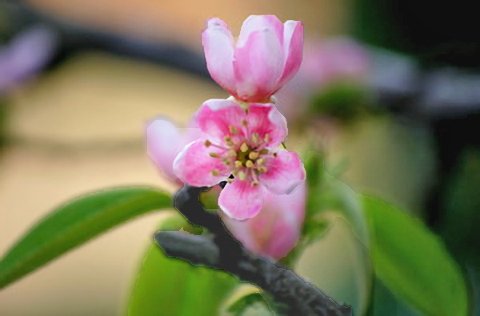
(292, 294)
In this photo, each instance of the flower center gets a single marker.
(243, 155)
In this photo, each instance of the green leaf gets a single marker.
(166, 286)
(333, 195)
(74, 223)
(412, 262)
(246, 303)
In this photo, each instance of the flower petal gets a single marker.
(265, 119)
(195, 166)
(216, 117)
(258, 65)
(164, 142)
(276, 229)
(241, 199)
(293, 50)
(218, 46)
(257, 23)
(284, 172)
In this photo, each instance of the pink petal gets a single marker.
(258, 65)
(216, 116)
(164, 142)
(266, 119)
(289, 213)
(241, 199)
(257, 23)
(195, 166)
(276, 229)
(293, 50)
(242, 231)
(218, 46)
(284, 172)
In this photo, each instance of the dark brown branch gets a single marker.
(292, 294)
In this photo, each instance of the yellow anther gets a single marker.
(241, 175)
(255, 138)
(213, 155)
(232, 129)
(249, 164)
(260, 161)
(232, 153)
(244, 148)
(207, 143)
(215, 173)
(226, 162)
(253, 155)
(238, 163)
(262, 169)
(228, 140)
(264, 151)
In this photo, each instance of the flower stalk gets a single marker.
(291, 294)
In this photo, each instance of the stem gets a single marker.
(292, 294)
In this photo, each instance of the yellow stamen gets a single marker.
(228, 140)
(231, 153)
(241, 175)
(253, 155)
(213, 155)
(232, 129)
(238, 163)
(244, 148)
(262, 169)
(249, 164)
(260, 161)
(215, 173)
(255, 138)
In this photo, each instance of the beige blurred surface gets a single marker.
(81, 129)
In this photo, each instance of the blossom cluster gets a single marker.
(240, 139)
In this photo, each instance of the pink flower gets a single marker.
(266, 55)
(327, 62)
(335, 59)
(165, 141)
(243, 143)
(276, 229)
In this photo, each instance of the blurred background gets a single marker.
(388, 91)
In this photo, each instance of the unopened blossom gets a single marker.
(164, 141)
(265, 56)
(242, 146)
(276, 229)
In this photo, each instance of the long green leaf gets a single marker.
(166, 286)
(74, 223)
(413, 263)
